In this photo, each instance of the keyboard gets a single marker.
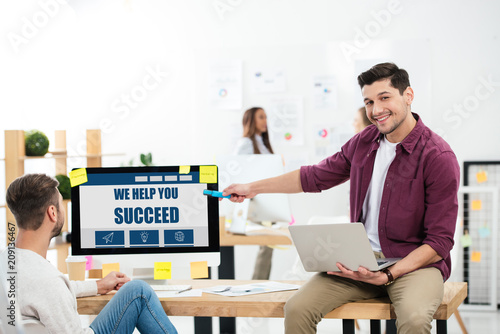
(381, 262)
(170, 287)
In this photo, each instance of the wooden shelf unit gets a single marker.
(15, 156)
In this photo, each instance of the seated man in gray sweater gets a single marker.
(45, 294)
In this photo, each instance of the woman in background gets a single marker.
(255, 136)
(361, 121)
(256, 141)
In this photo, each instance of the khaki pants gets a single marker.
(415, 296)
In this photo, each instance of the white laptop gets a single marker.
(320, 247)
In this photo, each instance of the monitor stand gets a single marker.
(145, 274)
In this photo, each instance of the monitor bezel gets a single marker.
(213, 217)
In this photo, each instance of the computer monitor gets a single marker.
(137, 216)
(249, 168)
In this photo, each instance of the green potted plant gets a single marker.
(64, 186)
(37, 143)
(147, 159)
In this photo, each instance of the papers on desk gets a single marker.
(250, 289)
(176, 294)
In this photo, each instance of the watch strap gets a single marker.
(390, 278)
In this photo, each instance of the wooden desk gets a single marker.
(209, 305)
(264, 237)
(270, 305)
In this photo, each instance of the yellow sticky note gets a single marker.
(109, 267)
(481, 176)
(163, 270)
(208, 174)
(184, 169)
(199, 269)
(477, 204)
(475, 257)
(77, 177)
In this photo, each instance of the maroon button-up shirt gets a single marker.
(419, 201)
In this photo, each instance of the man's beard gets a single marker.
(59, 225)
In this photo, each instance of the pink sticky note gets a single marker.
(88, 265)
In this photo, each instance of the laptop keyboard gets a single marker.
(381, 262)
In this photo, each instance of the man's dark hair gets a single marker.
(29, 196)
(399, 77)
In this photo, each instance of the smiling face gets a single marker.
(389, 110)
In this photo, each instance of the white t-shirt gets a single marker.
(245, 146)
(45, 294)
(371, 206)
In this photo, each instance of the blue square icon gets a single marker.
(110, 238)
(144, 237)
(179, 237)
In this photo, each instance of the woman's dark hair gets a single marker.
(250, 129)
(399, 77)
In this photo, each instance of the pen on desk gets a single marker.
(187, 289)
(241, 290)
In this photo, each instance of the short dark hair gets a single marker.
(398, 76)
(29, 196)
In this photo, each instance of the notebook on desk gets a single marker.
(320, 247)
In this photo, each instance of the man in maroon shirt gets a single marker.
(404, 183)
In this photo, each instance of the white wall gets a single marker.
(70, 68)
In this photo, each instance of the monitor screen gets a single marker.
(131, 212)
(249, 168)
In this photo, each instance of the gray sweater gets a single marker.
(46, 294)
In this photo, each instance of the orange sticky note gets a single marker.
(481, 176)
(199, 269)
(475, 257)
(109, 267)
(163, 270)
(477, 204)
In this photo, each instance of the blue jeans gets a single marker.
(134, 305)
